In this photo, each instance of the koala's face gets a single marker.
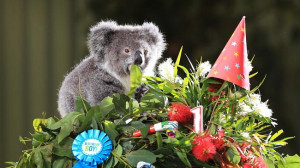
(127, 48)
(118, 47)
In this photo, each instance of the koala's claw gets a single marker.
(140, 92)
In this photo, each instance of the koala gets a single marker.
(113, 49)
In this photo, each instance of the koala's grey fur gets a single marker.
(107, 69)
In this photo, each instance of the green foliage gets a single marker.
(120, 115)
(290, 162)
(65, 125)
(233, 155)
(134, 157)
(110, 130)
(183, 157)
(135, 78)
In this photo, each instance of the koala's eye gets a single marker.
(127, 50)
(145, 52)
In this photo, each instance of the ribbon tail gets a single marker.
(79, 164)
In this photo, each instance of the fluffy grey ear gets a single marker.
(155, 37)
(100, 36)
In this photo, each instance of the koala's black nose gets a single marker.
(138, 60)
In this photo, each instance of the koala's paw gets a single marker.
(140, 92)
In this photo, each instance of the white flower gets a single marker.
(222, 119)
(274, 123)
(257, 106)
(203, 69)
(263, 109)
(245, 135)
(236, 95)
(244, 109)
(179, 80)
(249, 66)
(166, 70)
(254, 99)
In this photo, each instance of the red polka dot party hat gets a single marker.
(232, 63)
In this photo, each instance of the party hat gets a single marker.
(232, 64)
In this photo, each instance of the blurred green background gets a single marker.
(41, 40)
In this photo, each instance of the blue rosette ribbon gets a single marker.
(91, 148)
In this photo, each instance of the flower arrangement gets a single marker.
(236, 124)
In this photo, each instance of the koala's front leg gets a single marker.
(140, 92)
(66, 102)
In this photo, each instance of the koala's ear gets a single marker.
(155, 37)
(100, 35)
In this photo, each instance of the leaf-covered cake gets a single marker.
(193, 120)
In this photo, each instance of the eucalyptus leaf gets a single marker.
(127, 146)
(62, 162)
(213, 129)
(39, 136)
(140, 155)
(120, 101)
(81, 105)
(151, 138)
(110, 130)
(38, 160)
(159, 140)
(11, 163)
(257, 87)
(50, 121)
(106, 107)
(65, 125)
(153, 99)
(109, 163)
(21, 139)
(35, 143)
(183, 157)
(276, 135)
(145, 131)
(118, 151)
(163, 151)
(135, 79)
(137, 125)
(87, 123)
(46, 152)
(94, 124)
(64, 148)
(290, 162)
(270, 163)
(233, 155)
(177, 63)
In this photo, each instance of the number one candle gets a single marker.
(198, 119)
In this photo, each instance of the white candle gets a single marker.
(198, 119)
